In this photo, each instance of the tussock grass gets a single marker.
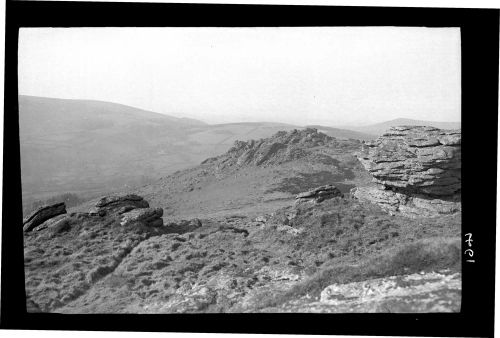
(429, 254)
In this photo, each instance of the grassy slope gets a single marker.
(250, 266)
(242, 264)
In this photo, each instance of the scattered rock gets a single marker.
(290, 230)
(195, 222)
(261, 219)
(119, 204)
(319, 194)
(43, 214)
(185, 300)
(148, 216)
(418, 292)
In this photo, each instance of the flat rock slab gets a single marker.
(410, 206)
(319, 194)
(148, 216)
(118, 203)
(43, 214)
(418, 292)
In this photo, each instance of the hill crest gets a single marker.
(282, 147)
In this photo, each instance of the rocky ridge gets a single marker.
(280, 148)
(416, 170)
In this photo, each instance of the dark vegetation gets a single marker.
(70, 199)
(305, 181)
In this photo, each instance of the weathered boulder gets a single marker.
(319, 194)
(50, 222)
(43, 214)
(148, 216)
(416, 171)
(415, 159)
(119, 204)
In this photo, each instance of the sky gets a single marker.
(299, 75)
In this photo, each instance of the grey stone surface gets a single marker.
(416, 159)
(147, 216)
(43, 214)
(416, 171)
(118, 203)
(319, 194)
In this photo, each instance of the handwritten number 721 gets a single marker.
(469, 251)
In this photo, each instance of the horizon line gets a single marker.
(225, 123)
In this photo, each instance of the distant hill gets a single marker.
(344, 133)
(82, 145)
(90, 147)
(379, 128)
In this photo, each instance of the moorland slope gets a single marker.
(248, 231)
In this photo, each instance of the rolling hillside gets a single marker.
(86, 146)
(93, 147)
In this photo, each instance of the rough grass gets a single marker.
(63, 261)
(305, 181)
(99, 266)
(430, 254)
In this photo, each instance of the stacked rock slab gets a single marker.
(129, 209)
(416, 171)
(318, 194)
(119, 204)
(43, 214)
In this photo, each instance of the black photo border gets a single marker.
(479, 38)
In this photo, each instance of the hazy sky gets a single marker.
(308, 75)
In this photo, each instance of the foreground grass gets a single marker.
(426, 255)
